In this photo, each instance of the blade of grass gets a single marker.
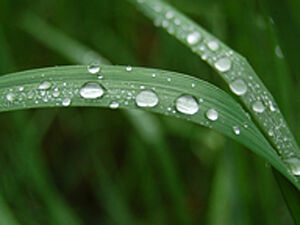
(151, 135)
(122, 86)
(231, 67)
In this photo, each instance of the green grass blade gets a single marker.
(22, 91)
(231, 67)
(6, 216)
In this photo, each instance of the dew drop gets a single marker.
(223, 64)
(128, 68)
(213, 45)
(114, 105)
(146, 98)
(11, 97)
(271, 133)
(236, 130)
(187, 104)
(212, 114)
(193, 38)
(294, 165)
(93, 68)
(91, 91)
(21, 88)
(258, 107)
(66, 102)
(238, 87)
(45, 85)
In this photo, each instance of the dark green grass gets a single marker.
(90, 166)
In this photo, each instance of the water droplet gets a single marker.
(213, 45)
(193, 38)
(146, 98)
(169, 79)
(212, 114)
(100, 76)
(258, 107)
(238, 87)
(128, 68)
(21, 88)
(153, 75)
(11, 97)
(193, 85)
(114, 105)
(187, 104)
(236, 130)
(66, 102)
(93, 68)
(45, 85)
(278, 52)
(91, 91)
(271, 133)
(223, 64)
(169, 14)
(294, 165)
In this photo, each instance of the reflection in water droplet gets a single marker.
(258, 107)
(146, 98)
(93, 68)
(212, 114)
(91, 91)
(213, 45)
(236, 130)
(294, 165)
(66, 102)
(114, 105)
(10, 97)
(238, 87)
(187, 104)
(44, 85)
(193, 38)
(223, 64)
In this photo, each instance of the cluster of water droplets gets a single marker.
(232, 68)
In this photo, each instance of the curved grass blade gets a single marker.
(147, 126)
(235, 70)
(121, 86)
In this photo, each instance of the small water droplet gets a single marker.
(45, 85)
(193, 85)
(169, 79)
(212, 114)
(66, 102)
(114, 105)
(128, 68)
(93, 68)
(146, 98)
(294, 165)
(223, 64)
(271, 133)
(153, 75)
(169, 14)
(258, 107)
(187, 104)
(11, 97)
(278, 52)
(236, 130)
(193, 38)
(100, 76)
(213, 45)
(21, 88)
(91, 91)
(238, 87)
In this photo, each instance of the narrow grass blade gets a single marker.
(119, 87)
(6, 216)
(235, 70)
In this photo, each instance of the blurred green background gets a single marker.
(98, 166)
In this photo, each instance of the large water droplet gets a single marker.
(223, 64)
(236, 130)
(212, 114)
(93, 68)
(258, 107)
(294, 165)
(44, 85)
(238, 87)
(213, 45)
(193, 38)
(91, 91)
(146, 98)
(187, 104)
(114, 105)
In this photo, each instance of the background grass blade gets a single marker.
(21, 91)
(231, 67)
